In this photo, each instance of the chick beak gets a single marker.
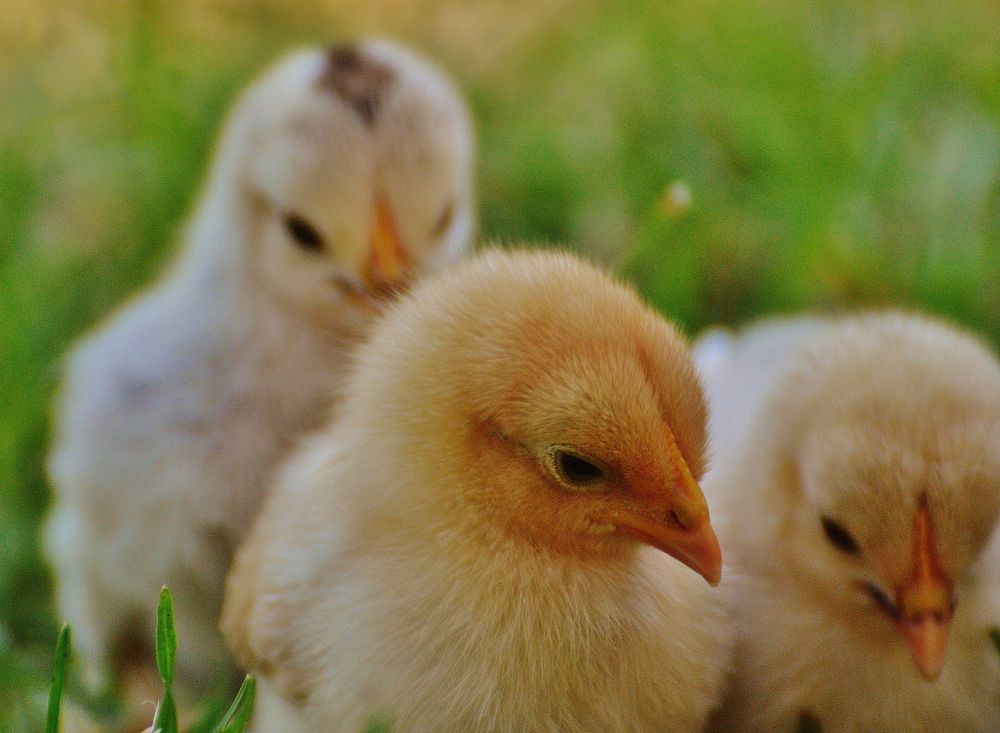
(677, 522)
(925, 602)
(388, 267)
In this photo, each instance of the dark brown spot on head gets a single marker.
(357, 79)
(809, 723)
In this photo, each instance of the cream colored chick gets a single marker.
(477, 543)
(339, 176)
(858, 484)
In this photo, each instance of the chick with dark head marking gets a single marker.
(502, 530)
(173, 414)
(359, 80)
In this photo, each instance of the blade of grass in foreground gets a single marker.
(165, 720)
(58, 680)
(166, 652)
(166, 637)
(238, 716)
(995, 636)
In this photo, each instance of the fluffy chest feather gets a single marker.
(503, 647)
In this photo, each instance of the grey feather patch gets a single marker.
(357, 79)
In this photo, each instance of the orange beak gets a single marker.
(388, 267)
(926, 602)
(676, 523)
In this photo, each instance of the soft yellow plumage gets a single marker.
(857, 478)
(461, 549)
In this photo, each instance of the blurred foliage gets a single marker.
(378, 724)
(838, 153)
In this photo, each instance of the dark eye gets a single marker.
(303, 233)
(443, 220)
(574, 469)
(839, 537)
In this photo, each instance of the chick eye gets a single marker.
(443, 220)
(574, 469)
(303, 233)
(839, 537)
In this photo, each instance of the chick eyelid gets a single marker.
(573, 468)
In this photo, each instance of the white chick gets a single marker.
(340, 175)
(856, 477)
(470, 546)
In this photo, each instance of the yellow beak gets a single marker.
(677, 522)
(926, 602)
(388, 267)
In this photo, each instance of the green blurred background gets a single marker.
(838, 153)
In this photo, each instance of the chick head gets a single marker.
(355, 165)
(887, 466)
(542, 404)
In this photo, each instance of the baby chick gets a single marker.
(339, 177)
(857, 474)
(472, 545)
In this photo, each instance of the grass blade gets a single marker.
(237, 717)
(166, 638)
(209, 715)
(165, 720)
(58, 680)
(995, 636)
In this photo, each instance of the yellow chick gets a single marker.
(477, 542)
(857, 480)
(340, 175)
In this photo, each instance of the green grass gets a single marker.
(838, 154)
(59, 664)
(165, 720)
(237, 717)
(166, 654)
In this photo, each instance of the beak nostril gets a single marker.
(674, 518)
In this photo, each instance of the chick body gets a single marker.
(417, 561)
(867, 421)
(338, 174)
